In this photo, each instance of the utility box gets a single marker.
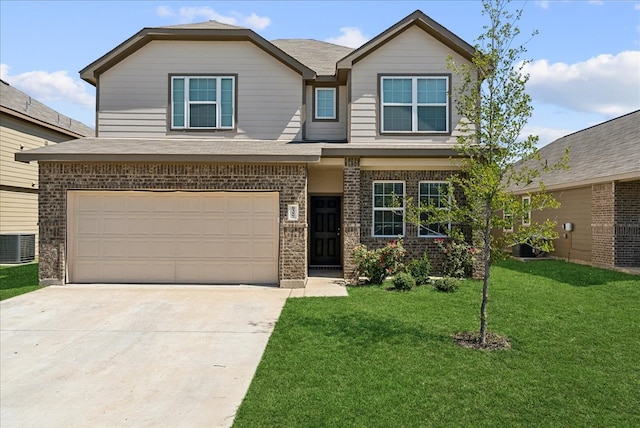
(522, 250)
(17, 247)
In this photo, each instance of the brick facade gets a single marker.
(627, 224)
(56, 178)
(602, 224)
(351, 214)
(414, 244)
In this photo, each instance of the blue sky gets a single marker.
(585, 60)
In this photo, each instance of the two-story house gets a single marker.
(221, 157)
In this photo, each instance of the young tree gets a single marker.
(494, 158)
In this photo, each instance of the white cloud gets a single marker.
(200, 13)
(605, 84)
(636, 6)
(544, 4)
(351, 37)
(54, 86)
(257, 22)
(546, 135)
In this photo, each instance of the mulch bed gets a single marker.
(471, 339)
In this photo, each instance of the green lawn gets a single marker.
(386, 359)
(16, 280)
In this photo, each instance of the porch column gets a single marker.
(351, 218)
(602, 224)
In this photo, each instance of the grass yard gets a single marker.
(19, 279)
(386, 359)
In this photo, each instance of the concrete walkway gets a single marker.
(136, 355)
(322, 283)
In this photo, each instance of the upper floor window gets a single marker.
(388, 208)
(202, 102)
(414, 104)
(325, 104)
(433, 193)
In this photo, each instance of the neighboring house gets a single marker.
(599, 217)
(221, 157)
(25, 124)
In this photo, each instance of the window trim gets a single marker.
(414, 103)
(375, 209)
(218, 77)
(506, 214)
(315, 104)
(526, 217)
(420, 235)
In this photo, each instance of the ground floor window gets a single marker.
(388, 208)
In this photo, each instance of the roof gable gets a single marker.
(318, 56)
(422, 21)
(210, 30)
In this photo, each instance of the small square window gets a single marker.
(325, 104)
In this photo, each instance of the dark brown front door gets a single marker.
(325, 231)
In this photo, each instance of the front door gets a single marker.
(325, 231)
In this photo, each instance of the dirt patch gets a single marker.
(471, 339)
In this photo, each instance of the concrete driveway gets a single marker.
(132, 356)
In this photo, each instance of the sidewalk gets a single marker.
(322, 283)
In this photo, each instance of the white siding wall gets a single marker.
(134, 94)
(413, 51)
(327, 130)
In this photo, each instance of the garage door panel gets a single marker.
(173, 237)
(240, 226)
(162, 248)
(113, 226)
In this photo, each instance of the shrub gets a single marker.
(376, 265)
(420, 269)
(446, 284)
(459, 256)
(404, 282)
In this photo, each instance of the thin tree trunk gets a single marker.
(486, 254)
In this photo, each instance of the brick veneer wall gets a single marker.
(56, 178)
(414, 245)
(602, 224)
(627, 224)
(351, 215)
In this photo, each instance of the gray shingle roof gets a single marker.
(208, 150)
(210, 25)
(21, 103)
(321, 57)
(604, 152)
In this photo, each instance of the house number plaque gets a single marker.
(292, 212)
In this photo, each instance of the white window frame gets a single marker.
(506, 215)
(420, 228)
(414, 104)
(335, 104)
(217, 103)
(526, 218)
(384, 209)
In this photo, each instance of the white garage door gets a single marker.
(172, 237)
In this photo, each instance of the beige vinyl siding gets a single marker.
(19, 213)
(13, 133)
(134, 95)
(325, 180)
(575, 208)
(412, 52)
(327, 129)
